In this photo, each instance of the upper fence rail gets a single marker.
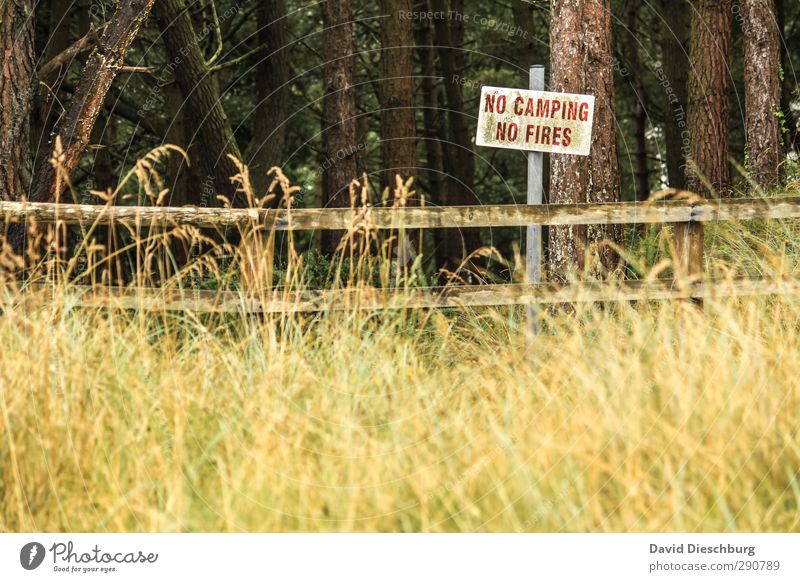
(665, 211)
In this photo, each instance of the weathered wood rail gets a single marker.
(688, 215)
(667, 211)
(279, 301)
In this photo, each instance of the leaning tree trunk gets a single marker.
(398, 124)
(47, 107)
(339, 167)
(762, 91)
(75, 126)
(213, 137)
(580, 48)
(709, 108)
(672, 77)
(272, 94)
(17, 89)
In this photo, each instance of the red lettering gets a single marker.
(584, 112)
(556, 108)
(529, 109)
(572, 111)
(518, 102)
(543, 108)
(513, 131)
(556, 136)
(529, 132)
(501, 131)
(567, 140)
(488, 106)
(501, 104)
(546, 135)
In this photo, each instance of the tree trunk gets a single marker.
(672, 78)
(433, 171)
(213, 140)
(762, 91)
(398, 124)
(580, 48)
(17, 89)
(75, 126)
(47, 106)
(460, 160)
(528, 51)
(709, 107)
(790, 132)
(339, 166)
(630, 40)
(272, 93)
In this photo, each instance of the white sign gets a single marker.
(558, 123)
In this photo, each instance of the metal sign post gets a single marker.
(535, 196)
(538, 122)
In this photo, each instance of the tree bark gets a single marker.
(580, 48)
(709, 107)
(59, 34)
(76, 125)
(213, 140)
(630, 40)
(529, 52)
(339, 166)
(17, 90)
(460, 159)
(433, 172)
(790, 132)
(58, 55)
(272, 93)
(398, 124)
(762, 91)
(673, 76)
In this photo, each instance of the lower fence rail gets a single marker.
(366, 298)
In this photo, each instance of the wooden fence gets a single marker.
(689, 217)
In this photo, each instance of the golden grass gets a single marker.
(627, 417)
(656, 417)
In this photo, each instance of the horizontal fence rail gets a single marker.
(379, 299)
(687, 214)
(667, 211)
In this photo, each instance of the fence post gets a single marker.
(535, 196)
(689, 248)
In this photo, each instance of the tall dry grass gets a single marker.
(656, 416)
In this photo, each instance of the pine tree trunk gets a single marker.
(433, 171)
(398, 125)
(17, 89)
(213, 138)
(790, 132)
(339, 137)
(673, 78)
(266, 149)
(709, 108)
(528, 51)
(630, 40)
(762, 91)
(580, 48)
(460, 159)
